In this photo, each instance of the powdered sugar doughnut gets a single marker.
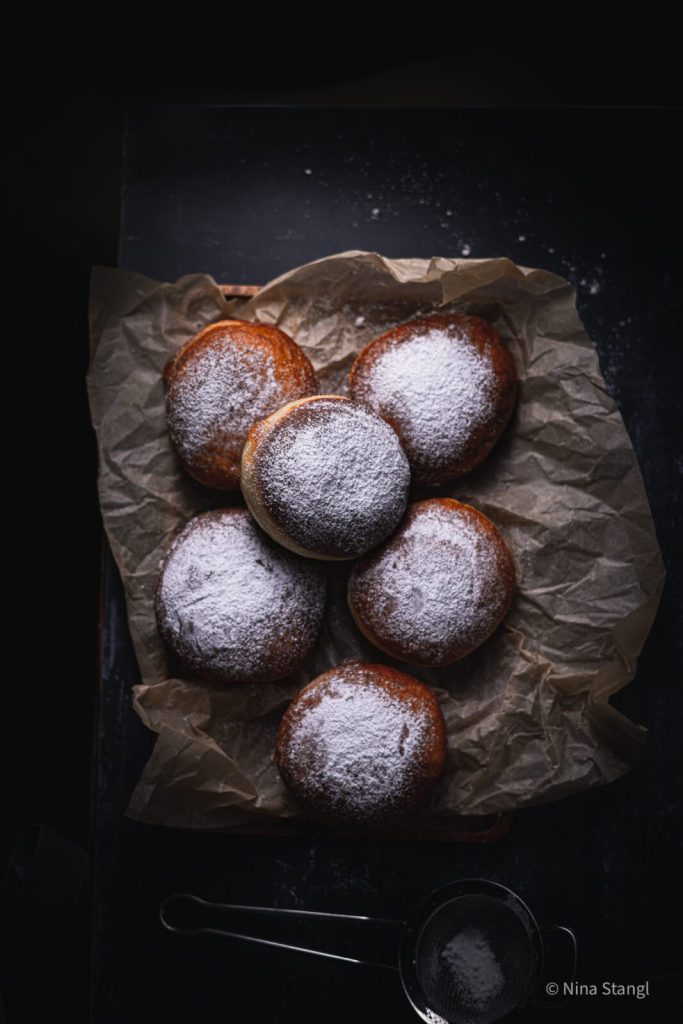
(233, 606)
(222, 380)
(447, 384)
(325, 477)
(361, 745)
(438, 588)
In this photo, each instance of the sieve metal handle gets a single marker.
(573, 948)
(282, 911)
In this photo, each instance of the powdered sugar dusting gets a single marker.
(438, 388)
(334, 476)
(474, 970)
(437, 589)
(235, 606)
(355, 745)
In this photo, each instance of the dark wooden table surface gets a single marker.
(245, 194)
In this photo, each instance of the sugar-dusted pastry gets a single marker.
(229, 375)
(446, 383)
(438, 588)
(232, 605)
(362, 745)
(325, 477)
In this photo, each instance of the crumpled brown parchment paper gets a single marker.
(527, 714)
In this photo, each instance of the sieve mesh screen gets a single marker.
(474, 960)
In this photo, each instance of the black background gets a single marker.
(66, 106)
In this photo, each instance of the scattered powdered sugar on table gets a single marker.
(434, 586)
(334, 476)
(437, 387)
(220, 392)
(356, 746)
(234, 605)
(474, 969)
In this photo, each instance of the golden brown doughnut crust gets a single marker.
(446, 383)
(223, 379)
(438, 588)
(362, 745)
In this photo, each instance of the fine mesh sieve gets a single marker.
(474, 960)
(471, 953)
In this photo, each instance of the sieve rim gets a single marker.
(414, 925)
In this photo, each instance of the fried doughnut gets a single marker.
(233, 606)
(438, 588)
(222, 380)
(325, 477)
(447, 384)
(361, 745)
